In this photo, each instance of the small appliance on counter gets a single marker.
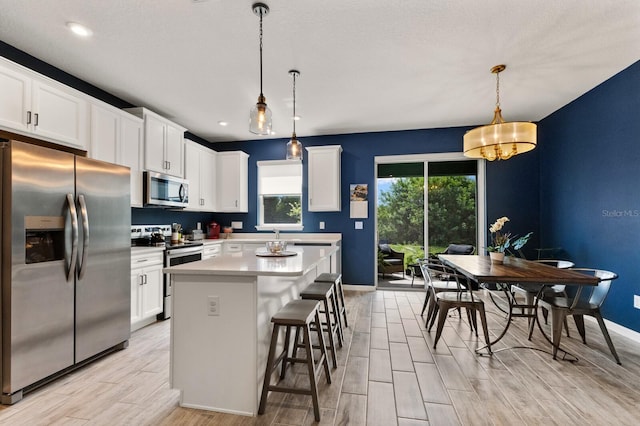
(214, 230)
(196, 235)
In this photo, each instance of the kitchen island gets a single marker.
(221, 322)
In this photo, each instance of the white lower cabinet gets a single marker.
(211, 250)
(146, 288)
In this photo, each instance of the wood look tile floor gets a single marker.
(388, 374)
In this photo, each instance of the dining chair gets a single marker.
(529, 291)
(436, 280)
(580, 305)
(461, 297)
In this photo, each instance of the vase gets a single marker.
(496, 256)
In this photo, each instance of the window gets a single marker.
(279, 194)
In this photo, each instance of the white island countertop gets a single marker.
(247, 263)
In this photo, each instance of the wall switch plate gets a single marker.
(636, 301)
(236, 225)
(358, 224)
(321, 225)
(213, 305)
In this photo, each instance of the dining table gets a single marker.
(515, 271)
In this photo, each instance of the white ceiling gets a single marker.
(366, 65)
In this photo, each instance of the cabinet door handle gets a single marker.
(168, 165)
(28, 117)
(236, 203)
(36, 119)
(145, 279)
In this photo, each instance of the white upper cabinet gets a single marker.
(200, 165)
(105, 133)
(39, 107)
(116, 137)
(130, 153)
(232, 180)
(323, 165)
(15, 102)
(163, 143)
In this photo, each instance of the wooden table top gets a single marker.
(513, 270)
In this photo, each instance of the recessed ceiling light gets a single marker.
(223, 123)
(79, 29)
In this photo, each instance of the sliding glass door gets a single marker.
(424, 203)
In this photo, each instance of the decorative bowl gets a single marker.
(277, 246)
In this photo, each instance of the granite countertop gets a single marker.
(247, 263)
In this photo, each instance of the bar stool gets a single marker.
(325, 293)
(299, 314)
(336, 279)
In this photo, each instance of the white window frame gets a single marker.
(261, 226)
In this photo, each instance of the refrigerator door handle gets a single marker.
(74, 237)
(85, 235)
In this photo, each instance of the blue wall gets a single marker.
(589, 179)
(512, 188)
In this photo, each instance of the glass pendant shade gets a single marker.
(260, 115)
(500, 140)
(294, 149)
(260, 118)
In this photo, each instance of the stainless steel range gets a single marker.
(174, 254)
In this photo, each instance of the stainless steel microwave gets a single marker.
(165, 191)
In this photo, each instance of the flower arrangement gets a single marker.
(501, 241)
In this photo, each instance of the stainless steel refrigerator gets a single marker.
(66, 261)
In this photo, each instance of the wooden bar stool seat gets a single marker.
(298, 314)
(325, 293)
(336, 279)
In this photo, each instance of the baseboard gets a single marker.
(621, 330)
(352, 287)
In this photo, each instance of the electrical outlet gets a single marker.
(636, 301)
(358, 224)
(321, 225)
(236, 225)
(213, 305)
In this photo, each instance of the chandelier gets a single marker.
(294, 147)
(500, 140)
(260, 116)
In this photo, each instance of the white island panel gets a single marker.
(218, 361)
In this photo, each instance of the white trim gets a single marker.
(352, 287)
(619, 329)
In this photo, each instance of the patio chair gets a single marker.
(581, 305)
(390, 260)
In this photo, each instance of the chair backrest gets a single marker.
(562, 264)
(459, 249)
(598, 293)
(432, 271)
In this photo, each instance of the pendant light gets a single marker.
(500, 140)
(260, 117)
(294, 147)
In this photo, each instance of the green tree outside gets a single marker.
(452, 212)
